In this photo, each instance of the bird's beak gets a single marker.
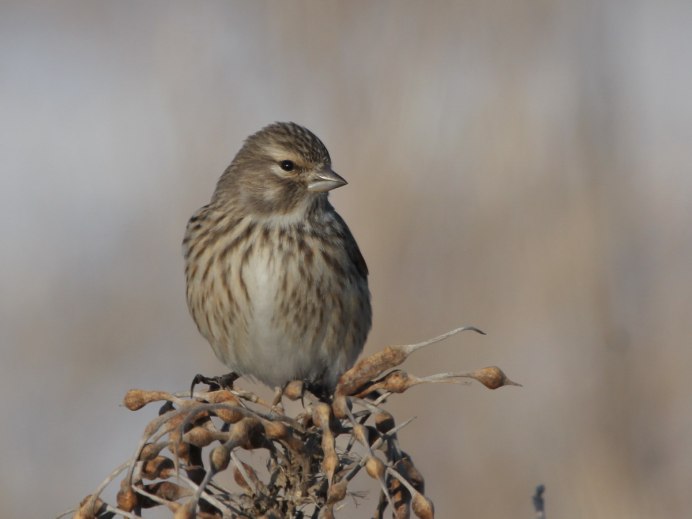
(325, 180)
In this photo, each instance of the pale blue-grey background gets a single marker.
(522, 166)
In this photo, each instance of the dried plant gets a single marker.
(188, 459)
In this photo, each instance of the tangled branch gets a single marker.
(186, 454)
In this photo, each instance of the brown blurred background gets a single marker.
(524, 166)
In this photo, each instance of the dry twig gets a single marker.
(183, 453)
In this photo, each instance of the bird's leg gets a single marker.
(319, 390)
(215, 383)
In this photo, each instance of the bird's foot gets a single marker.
(214, 383)
(319, 390)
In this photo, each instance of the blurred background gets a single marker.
(522, 166)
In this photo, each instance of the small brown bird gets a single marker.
(275, 280)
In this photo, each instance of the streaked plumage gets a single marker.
(275, 280)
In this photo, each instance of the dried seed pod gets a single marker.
(248, 433)
(384, 422)
(320, 415)
(329, 464)
(180, 449)
(175, 440)
(403, 511)
(360, 433)
(400, 498)
(168, 490)
(337, 492)
(222, 396)
(398, 381)
(151, 450)
(134, 399)
(492, 377)
(230, 414)
(137, 398)
(294, 390)
(219, 458)
(246, 477)
(370, 368)
(287, 437)
(275, 430)
(422, 507)
(406, 467)
(174, 422)
(90, 508)
(341, 406)
(375, 467)
(159, 467)
(126, 498)
(240, 480)
(199, 436)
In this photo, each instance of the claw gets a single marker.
(319, 390)
(214, 383)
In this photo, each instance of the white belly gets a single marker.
(273, 348)
(263, 278)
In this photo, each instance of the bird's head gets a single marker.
(280, 169)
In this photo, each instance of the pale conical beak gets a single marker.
(325, 180)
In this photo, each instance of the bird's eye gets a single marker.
(287, 165)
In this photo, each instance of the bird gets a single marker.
(275, 281)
